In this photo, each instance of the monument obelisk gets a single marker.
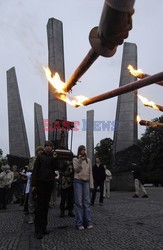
(38, 124)
(56, 107)
(18, 142)
(90, 135)
(126, 134)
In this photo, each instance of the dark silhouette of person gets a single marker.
(99, 178)
(43, 177)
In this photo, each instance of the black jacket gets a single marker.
(44, 168)
(99, 173)
(137, 174)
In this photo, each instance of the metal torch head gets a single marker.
(98, 35)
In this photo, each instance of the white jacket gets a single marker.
(6, 178)
(83, 170)
(108, 175)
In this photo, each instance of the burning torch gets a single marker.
(150, 104)
(101, 39)
(149, 123)
(125, 89)
(77, 101)
(140, 74)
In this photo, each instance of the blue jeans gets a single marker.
(82, 202)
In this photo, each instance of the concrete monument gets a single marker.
(126, 134)
(90, 135)
(56, 107)
(18, 142)
(38, 124)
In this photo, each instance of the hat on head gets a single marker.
(48, 143)
(14, 167)
(39, 148)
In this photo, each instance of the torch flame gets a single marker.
(55, 81)
(138, 118)
(74, 101)
(59, 86)
(148, 103)
(135, 72)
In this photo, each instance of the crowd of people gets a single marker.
(37, 186)
(75, 182)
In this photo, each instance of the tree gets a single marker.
(1, 157)
(3, 160)
(151, 144)
(103, 150)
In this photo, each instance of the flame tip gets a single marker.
(147, 103)
(138, 118)
(135, 72)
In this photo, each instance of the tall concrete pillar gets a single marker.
(126, 134)
(56, 107)
(18, 142)
(90, 135)
(39, 128)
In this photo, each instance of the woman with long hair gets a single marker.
(83, 181)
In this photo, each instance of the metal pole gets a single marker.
(99, 40)
(81, 69)
(126, 88)
(160, 83)
(71, 139)
(151, 124)
(160, 108)
(143, 75)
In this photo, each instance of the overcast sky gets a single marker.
(23, 45)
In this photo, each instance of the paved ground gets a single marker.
(122, 223)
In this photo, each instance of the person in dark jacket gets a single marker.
(43, 177)
(99, 178)
(67, 191)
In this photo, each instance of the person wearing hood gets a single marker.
(6, 179)
(43, 177)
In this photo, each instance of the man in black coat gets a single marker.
(43, 178)
(99, 178)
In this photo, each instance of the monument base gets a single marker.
(123, 181)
